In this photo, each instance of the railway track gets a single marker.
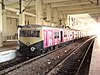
(13, 62)
(39, 65)
(72, 64)
(85, 61)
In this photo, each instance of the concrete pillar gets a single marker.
(4, 17)
(22, 14)
(48, 12)
(39, 12)
(64, 19)
(60, 15)
(55, 15)
(68, 20)
(4, 24)
(1, 25)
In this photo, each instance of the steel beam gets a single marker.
(74, 3)
(15, 10)
(80, 11)
(77, 7)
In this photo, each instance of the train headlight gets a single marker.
(17, 47)
(33, 48)
(18, 43)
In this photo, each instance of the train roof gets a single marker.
(40, 26)
(43, 26)
(29, 26)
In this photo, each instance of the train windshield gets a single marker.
(29, 33)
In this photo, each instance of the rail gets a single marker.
(84, 57)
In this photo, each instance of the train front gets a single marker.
(29, 41)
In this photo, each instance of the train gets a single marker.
(34, 40)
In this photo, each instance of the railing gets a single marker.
(11, 37)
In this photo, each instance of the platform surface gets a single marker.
(7, 52)
(95, 60)
(8, 45)
(7, 48)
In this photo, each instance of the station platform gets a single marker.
(95, 60)
(8, 45)
(8, 51)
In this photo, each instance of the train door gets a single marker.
(61, 36)
(45, 39)
(48, 38)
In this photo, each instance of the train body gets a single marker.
(34, 40)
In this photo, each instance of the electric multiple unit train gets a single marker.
(34, 40)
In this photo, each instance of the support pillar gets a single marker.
(48, 14)
(64, 19)
(1, 25)
(60, 15)
(22, 14)
(4, 25)
(55, 16)
(39, 12)
(4, 17)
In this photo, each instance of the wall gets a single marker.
(12, 22)
(11, 26)
(30, 20)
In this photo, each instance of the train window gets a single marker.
(56, 34)
(21, 33)
(71, 35)
(29, 33)
(35, 33)
(65, 34)
(25, 33)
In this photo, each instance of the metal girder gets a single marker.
(80, 11)
(74, 3)
(95, 15)
(16, 5)
(12, 16)
(15, 10)
(31, 4)
(77, 7)
(96, 2)
(54, 1)
(8, 2)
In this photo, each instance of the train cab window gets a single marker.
(29, 33)
(25, 33)
(21, 33)
(35, 33)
